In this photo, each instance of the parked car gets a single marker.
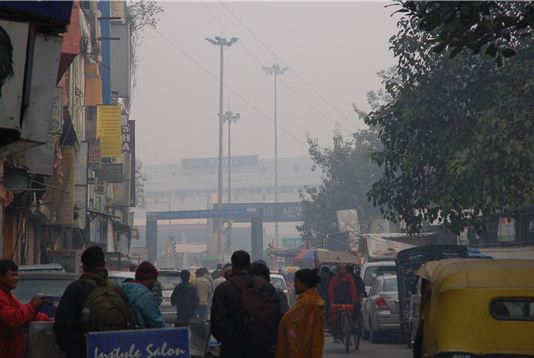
(118, 277)
(279, 282)
(42, 268)
(380, 310)
(168, 280)
(371, 270)
(52, 284)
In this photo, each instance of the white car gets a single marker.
(371, 270)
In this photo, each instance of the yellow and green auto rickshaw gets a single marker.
(476, 308)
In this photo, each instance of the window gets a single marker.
(512, 309)
(373, 272)
(390, 284)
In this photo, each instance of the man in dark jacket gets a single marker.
(69, 333)
(218, 272)
(260, 269)
(322, 288)
(185, 298)
(227, 314)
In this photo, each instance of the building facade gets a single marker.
(67, 149)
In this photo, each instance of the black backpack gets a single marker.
(261, 311)
(105, 309)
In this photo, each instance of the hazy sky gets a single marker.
(336, 48)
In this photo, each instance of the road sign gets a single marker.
(281, 212)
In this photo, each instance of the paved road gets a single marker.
(367, 350)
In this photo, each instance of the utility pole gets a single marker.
(222, 43)
(276, 71)
(229, 117)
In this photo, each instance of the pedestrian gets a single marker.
(185, 298)
(322, 288)
(260, 269)
(143, 305)
(205, 293)
(226, 271)
(301, 333)
(89, 304)
(245, 313)
(218, 272)
(13, 314)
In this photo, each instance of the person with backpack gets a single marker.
(245, 313)
(259, 268)
(143, 305)
(301, 334)
(14, 315)
(185, 298)
(89, 304)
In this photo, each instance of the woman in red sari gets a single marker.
(300, 334)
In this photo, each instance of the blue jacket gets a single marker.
(143, 305)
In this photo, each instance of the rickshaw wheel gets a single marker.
(346, 332)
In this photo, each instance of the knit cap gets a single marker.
(145, 271)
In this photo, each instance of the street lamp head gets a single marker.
(233, 40)
(212, 41)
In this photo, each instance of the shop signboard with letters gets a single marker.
(109, 130)
(139, 343)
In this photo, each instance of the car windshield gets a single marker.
(390, 284)
(169, 280)
(374, 271)
(26, 289)
(279, 283)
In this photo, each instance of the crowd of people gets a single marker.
(247, 314)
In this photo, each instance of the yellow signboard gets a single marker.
(109, 130)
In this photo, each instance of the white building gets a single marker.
(192, 185)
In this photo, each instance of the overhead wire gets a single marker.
(295, 93)
(285, 64)
(237, 94)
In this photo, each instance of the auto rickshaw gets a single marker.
(476, 308)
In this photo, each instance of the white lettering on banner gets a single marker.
(461, 356)
(116, 353)
(164, 351)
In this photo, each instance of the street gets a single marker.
(385, 349)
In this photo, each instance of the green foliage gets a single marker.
(457, 133)
(495, 28)
(347, 173)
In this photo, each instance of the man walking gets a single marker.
(143, 305)
(13, 314)
(89, 304)
(205, 293)
(245, 313)
(185, 298)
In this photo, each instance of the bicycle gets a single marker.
(347, 328)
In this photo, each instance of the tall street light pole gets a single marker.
(276, 71)
(222, 43)
(229, 117)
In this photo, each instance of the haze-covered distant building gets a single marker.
(192, 185)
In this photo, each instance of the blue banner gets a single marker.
(139, 343)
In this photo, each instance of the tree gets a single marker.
(457, 134)
(494, 27)
(140, 14)
(347, 174)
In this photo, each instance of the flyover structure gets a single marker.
(254, 213)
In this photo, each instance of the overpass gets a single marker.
(254, 213)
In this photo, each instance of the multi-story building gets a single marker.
(192, 185)
(66, 144)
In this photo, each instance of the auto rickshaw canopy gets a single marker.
(453, 274)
